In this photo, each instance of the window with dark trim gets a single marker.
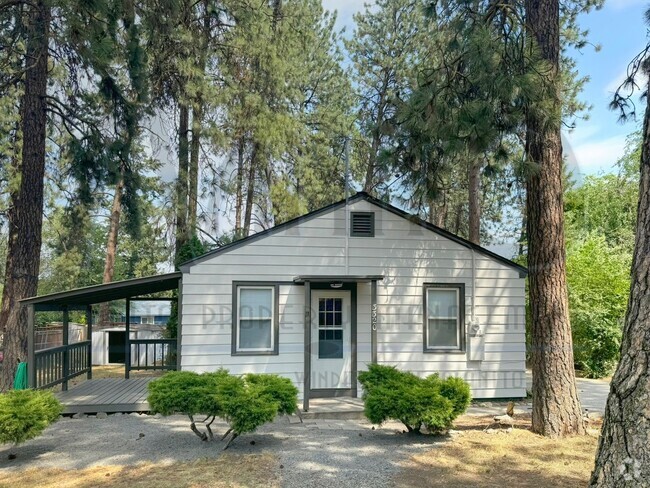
(362, 224)
(255, 319)
(444, 317)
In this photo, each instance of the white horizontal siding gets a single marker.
(406, 255)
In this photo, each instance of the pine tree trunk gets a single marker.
(25, 214)
(111, 248)
(182, 182)
(250, 190)
(474, 201)
(197, 117)
(239, 186)
(556, 406)
(623, 457)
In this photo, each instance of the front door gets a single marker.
(331, 352)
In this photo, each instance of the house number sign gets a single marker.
(373, 316)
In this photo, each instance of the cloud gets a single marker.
(594, 156)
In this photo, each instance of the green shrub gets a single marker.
(24, 414)
(398, 395)
(185, 392)
(245, 403)
(457, 391)
(278, 389)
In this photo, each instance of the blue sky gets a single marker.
(596, 144)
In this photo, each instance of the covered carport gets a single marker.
(58, 365)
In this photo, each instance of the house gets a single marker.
(373, 284)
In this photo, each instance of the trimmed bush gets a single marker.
(245, 403)
(390, 394)
(278, 389)
(24, 414)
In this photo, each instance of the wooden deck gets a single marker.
(108, 395)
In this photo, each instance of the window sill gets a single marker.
(254, 353)
(444, 351)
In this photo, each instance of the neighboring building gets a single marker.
(373, 284)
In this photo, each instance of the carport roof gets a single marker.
(116, 290)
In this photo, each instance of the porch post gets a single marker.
(127, 340)
(31, 357)
(66, 353)
(307, 334)
(373, 321)
(89, 332)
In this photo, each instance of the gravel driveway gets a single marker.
(315, 453)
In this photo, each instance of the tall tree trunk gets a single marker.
(556, 406)
(250, 190)
(197, 117)
(623, 458)
(474, 201)
(25, 214)
(371, 168)
(111, 247)
(182, 235)
(239, 186)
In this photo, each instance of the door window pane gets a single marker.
(330, 312)
(330, 344)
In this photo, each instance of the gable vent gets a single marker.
(362, 224)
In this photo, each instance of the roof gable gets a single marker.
(334, 206)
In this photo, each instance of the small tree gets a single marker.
(24, 414)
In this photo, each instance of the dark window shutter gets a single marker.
(362, 224)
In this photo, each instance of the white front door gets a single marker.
(331, 353)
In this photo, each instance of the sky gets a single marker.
(595, 145)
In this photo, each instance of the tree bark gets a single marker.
(239, 186)
(250, 190)
(192, 210)
(623, 458)
(371, 168)
(111, 247)
(25, 214)
(474, 201)
(556, 406)
(182, 236)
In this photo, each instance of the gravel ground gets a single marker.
(315, 453)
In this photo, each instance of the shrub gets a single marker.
(278, 389)
(24, 414)
(245, 403)
(457, 391)
(393, 394)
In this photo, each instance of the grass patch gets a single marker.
(516, 459)
(228, 470)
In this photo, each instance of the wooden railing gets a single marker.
(153, 354)
(57, 365)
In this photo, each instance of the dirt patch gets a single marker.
(519, 458)
(229, 470)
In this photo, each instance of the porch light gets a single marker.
(336, 284)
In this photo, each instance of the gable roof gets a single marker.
(334, 206)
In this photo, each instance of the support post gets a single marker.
(373, 321)
(89, 332)
(179, 324)
(127, 340)
(66, 352)
(31, 356)
(307, 334)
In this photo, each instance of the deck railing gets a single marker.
(57, 365)
(153, 354)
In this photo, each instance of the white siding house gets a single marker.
(379, 285)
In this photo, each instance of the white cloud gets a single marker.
(594, 155)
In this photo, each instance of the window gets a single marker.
(444, 317)
(255, 320)
(362, 224)
(330, 328)
(147, 319)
